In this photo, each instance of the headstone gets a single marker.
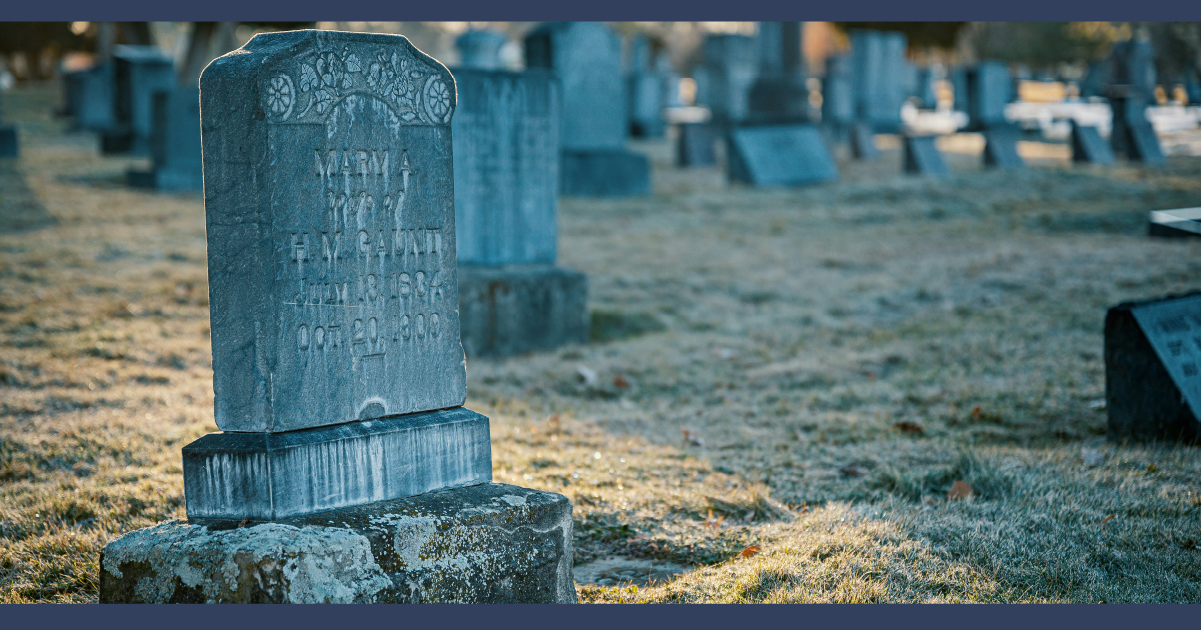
(927, 81)
(8, 137)
(512, 297)
(863, 142)
(1181, 223)
(779, 95)
(1088, 146)
(922, 157)
(959, 93)
(347, 462)
(671, 80)
(780, 155)
(174, 143)
(1192, 87)
(586, 58)
(1132, 65)
(728, 68)
(645, 91)
(1001, 147)
(1153, 369)
(94, 108)
(877, 60)
(139, 72)
(838, 97)
(695, 146)
(480, 49)
(1132, 134)
(72, 90)
(989, 90)
(1096, 79)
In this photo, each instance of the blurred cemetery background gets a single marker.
(832, 270)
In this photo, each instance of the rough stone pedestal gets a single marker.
(513, 309)
(491, 543)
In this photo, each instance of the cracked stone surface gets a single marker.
(491, 543)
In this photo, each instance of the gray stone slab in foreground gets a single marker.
(270, 476)
(490, 543)
(521, 308)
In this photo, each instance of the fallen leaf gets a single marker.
(586, 375)
(910, 427)
(852, 470)
(1092, 457)
(691, 438)
(977, 412)
(959, 490)
(620, 382)
(1107, 519)
(714, 522)
(750, 551)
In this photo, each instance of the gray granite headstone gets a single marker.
(139, 72)
(1132, 64)
(779, 94)
(877, 60)
(480, 49)
(330, 202)
(506, 148)
(780, 155)
(728, 68)
(645, 90)
(174, 143)
(586, 58)
(989, 90)
(1088, 146)
(927, 82)
(1132, 134)
(1153, 369)
(838, 97)
(695, 145)
(922, 157)
(93, 110)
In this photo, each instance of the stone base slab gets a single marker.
(515, 309)
(163, 179)
(8, 141)
(271, 476)
(491, 543)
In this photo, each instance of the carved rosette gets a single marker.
(416, 92)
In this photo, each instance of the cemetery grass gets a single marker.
(783, 388)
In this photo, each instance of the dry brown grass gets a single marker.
(789, 332)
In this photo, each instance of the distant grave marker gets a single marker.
(1133, 135)
(780, 155)
(728, 68)
(923, 158)
(138, 73)
(480, 49)
(1153, 369)
(695, 146)
(1089, 147)
(1184, 222)
(174, 143)
(8, 137)
(878, 59)
(1001, 147)
(863, 142)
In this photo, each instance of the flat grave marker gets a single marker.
(1184, 222)
(1001, 148)
(780, 155)
(923, 158)
(1153, 369)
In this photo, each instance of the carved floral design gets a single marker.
(281, 95)
(416, 93)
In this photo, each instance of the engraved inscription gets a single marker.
(1173, 327)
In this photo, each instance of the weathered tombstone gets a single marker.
(779, 95)
(1132, 134)
(72, 89)
(877, 59)
(1088, 146)
(1181, 223)
(348, 471)
(645, 92)
(480, 49)
(1001, 147)
(989, 90)
(838, 97)
(959, 95)
(586, 57)
(8, 137)
(863, 142)
(512, 297)
(139, 72)
(922, 157)
(1153, 369)
(780, 155)
(94, 108)
(728, 68)
(174, 143)
(695, 145)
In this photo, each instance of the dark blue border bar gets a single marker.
(661, 617)
(610, 10)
